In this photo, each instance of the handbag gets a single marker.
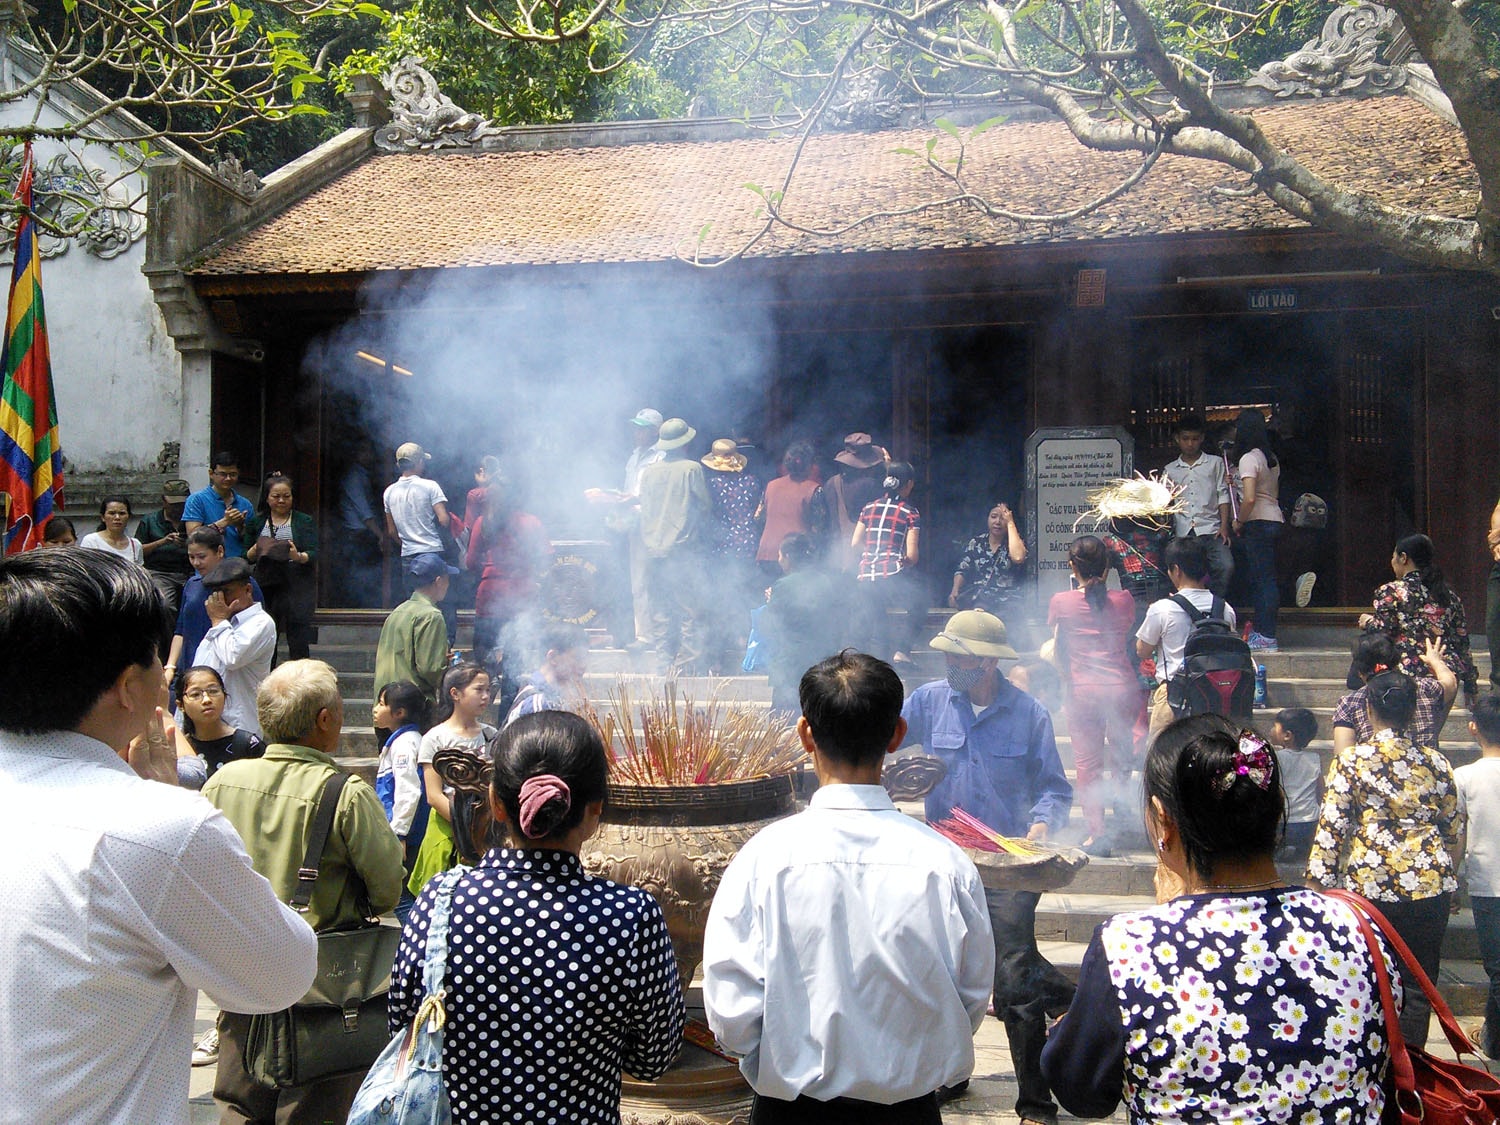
(405, 1086)
(339, 1026)
(1428, 1089)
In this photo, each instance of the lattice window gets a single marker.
(1167, 395)
(1364, 399)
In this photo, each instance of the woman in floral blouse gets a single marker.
(1420, 604)
(1242, 998)
(991, 575)
(1389, 830)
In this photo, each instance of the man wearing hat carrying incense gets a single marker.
(164, 543)
(1002, 768)
(858, 481)
(675, 512)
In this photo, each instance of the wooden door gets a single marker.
(1376, 455)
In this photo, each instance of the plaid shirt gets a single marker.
(886, 523)
(1427, 718)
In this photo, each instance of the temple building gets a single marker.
(524, 291)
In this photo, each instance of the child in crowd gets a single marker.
(1479, 799)
(1301, 776)
(1038, 679)
(466, 696)
(59, 532)
(558, 684)
(401, 708)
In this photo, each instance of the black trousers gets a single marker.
(845, 1111)
(1028, 990)
(1421, 925)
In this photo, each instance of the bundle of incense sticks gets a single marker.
(970, 832)
(680, 743)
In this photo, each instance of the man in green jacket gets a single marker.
(413, 641)
(271, 802)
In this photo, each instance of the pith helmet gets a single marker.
(972, 632)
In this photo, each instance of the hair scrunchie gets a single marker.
(536, 792)
(890, 483)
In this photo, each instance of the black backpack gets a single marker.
(1218, 673)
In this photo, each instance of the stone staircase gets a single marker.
(1308, 673)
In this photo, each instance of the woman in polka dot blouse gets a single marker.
(555, 980)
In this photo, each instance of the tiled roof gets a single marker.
(647, 202)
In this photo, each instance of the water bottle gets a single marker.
(1260, 685)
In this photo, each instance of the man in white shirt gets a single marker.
(240, 643)
(416, 513)
(1167, 625)
(1203, 489)
(848, 957)
(123, 894)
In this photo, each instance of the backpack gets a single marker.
(1218, 673)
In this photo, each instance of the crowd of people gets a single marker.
(121, 686)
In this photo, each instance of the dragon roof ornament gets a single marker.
(1342, 60)
(422, 118)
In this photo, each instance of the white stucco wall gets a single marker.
(117, 375)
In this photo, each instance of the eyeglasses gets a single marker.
(203, 693)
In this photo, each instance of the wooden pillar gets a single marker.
(911, 400)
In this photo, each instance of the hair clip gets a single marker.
(1252, 759)
(1379, 668)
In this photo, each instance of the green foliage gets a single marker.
(515, 83)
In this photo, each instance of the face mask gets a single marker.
(963, 679)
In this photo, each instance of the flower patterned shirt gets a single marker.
(1408, 614)
(1389, 826)
(555, 980)
(1249, 1008)
(736, 496)
(991, 578)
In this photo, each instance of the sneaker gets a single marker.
(206, 1050)
(1305, 589)
(1260, 643)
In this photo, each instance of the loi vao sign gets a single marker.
(1064, 465)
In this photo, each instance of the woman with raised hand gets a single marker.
(1420, 605)
(555, 980)
(1389, 830)
(1242, 998)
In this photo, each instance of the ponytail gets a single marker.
(1090, 559)
(1419, 549)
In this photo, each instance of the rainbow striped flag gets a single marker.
(31, 480)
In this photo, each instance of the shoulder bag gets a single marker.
(405, 1086)
(1428, 1089)
(339, 1027)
